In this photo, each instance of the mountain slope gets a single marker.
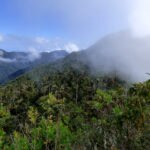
(13, 64)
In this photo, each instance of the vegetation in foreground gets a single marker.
(74, 111)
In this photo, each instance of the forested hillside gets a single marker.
(14, 64)
(66, 106)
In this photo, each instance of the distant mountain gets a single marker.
(13, 64)
(118, 54)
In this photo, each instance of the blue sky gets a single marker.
(59, 24)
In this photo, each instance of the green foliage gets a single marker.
(72, 109)
(117, 111)
(2, 137)
(105, 96)
(4, 115)
(20, 142)
(32, 115)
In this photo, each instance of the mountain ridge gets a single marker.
(12, 62)
(112, 54)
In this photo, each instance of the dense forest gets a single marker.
(51, 108)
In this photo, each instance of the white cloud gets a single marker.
(6, 60)
(41, 40)
(139, 18)
(71, 47)
(33, 54)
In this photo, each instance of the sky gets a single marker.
(73, 25)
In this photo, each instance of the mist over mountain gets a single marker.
(120, 54)
(17, 63)
(123, 54)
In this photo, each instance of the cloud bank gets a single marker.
(6, 60)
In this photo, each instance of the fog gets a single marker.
(126, 53)
(123, 54)
(7, 60)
